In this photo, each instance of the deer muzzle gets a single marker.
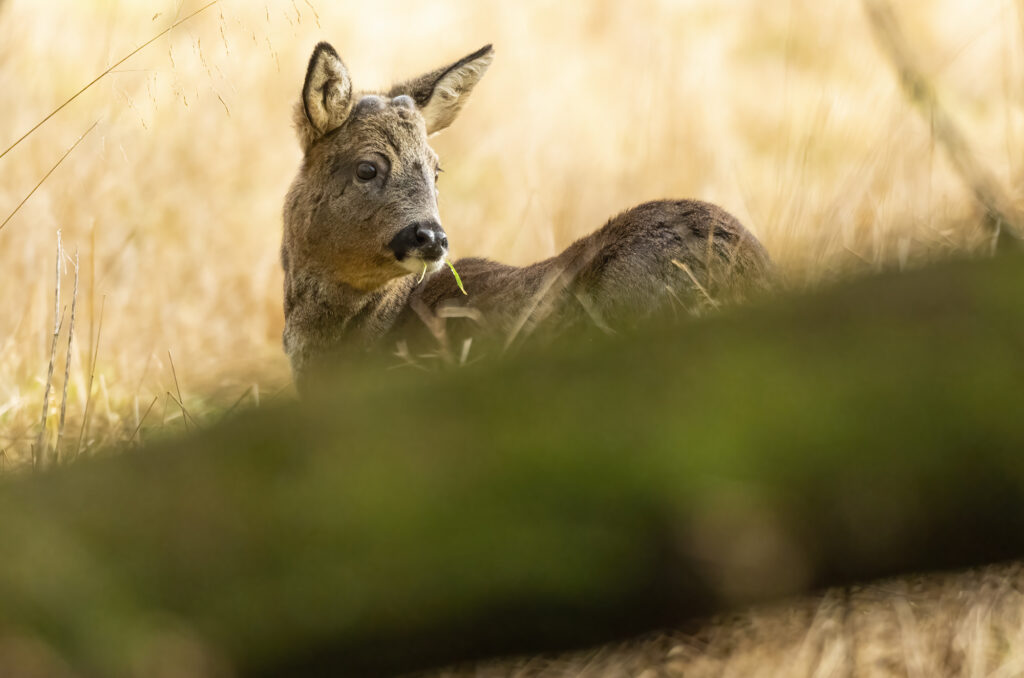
(424, 240)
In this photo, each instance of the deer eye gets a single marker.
(366, 171)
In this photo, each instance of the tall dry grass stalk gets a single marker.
(1000, 212)
(58, 322)
(785, 112)
(67, 365)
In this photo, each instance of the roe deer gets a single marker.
(363, 238)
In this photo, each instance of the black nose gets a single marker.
(424, 239)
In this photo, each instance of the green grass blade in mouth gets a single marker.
(458, 280)
(422, 273)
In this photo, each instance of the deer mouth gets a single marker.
(419, 265)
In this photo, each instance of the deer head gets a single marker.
(363, 209)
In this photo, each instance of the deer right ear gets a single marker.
(326, 94)
(440, 94)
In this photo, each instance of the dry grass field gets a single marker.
(785, 112)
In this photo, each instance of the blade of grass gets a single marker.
(67, 362)
(47, 175)
(546, 290)
(92, 375)
(143, 419)
(58, 320)
(185, 416)
(252, 389)
(458, 280)
(686, 269)
(177, 386)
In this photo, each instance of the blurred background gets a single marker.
(785, 112)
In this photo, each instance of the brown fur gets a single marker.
(344, 286)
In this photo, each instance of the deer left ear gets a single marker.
(440, 94)
(327, 90)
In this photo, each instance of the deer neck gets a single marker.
(335, 313)
(366, 316)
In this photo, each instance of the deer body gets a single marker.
(363, 246)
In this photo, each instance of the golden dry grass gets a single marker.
(968, 625)
(785, 112)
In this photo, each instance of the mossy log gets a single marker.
(555, 498)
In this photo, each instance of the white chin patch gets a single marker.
(415, 265)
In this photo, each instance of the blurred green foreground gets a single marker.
(551, 499)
